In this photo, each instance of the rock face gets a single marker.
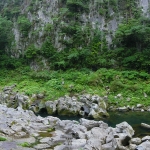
(86, 105)
(68, 106)
(24, 127)
(13, 99)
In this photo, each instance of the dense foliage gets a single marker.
(133, 45)
(80, 66)
(5, 43)
(5, 32)
(84, 46)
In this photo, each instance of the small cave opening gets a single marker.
(125, 142)
(104, 116)
(43, 112)
(83, 108)
(86, 114)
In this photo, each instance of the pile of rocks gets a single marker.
(13, 98)
(138, 107)
(84, 105)
(87, 105)
(19, 126)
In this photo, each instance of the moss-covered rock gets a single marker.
(51, 107)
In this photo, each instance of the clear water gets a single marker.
(133, 118)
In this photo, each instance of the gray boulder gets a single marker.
(136, 141)
(123, 108)
(109, 146)
(139, 105)
(144, 146)
(123, 134)
(98, 111)
(146, 138)
(93, 143)
(89, 124)
(132, 146)
(51, 107)
(68, 106)
(124, 127)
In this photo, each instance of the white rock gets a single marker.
(45, 140)
(139, 105)
(136, 141)
(145, 125)
(41, 146)
(145, 138)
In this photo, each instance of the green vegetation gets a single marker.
(50, 130)
(24, 25)
(5, 33)
(2, 139)
(25, 144)
(31, 52)
(133, 48)
(54, 84)
(11, 9)
(87, 63)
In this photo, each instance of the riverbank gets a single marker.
(88, 92)
(22, 129)
(122, 88)
(85, 105)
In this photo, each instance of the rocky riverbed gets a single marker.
(85, 105)
(23, 127)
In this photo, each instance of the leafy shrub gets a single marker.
(102, 11)
(48, 49)
(55, 83)
(31, 52)
(116, 86)
(10, 63)
(41, 75)
(25, 144)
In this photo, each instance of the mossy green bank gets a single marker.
(132, 85)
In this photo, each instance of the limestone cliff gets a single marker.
(35, 20)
